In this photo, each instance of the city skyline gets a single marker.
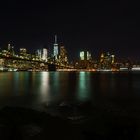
(97, 26)
(41, 60)
(51, 51)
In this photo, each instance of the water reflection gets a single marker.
(21, 83)
(64, 85)
(83, 88)
(103, 83)
(50, 87)
(5, 79)
(43, 90)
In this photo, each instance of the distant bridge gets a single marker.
(51, 65)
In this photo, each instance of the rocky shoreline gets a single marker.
(27, 124)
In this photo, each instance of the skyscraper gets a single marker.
(112, 59)
(85, 55)
(44, 54)
(23, 51)
(55, 48)
(106, 60)
(63, 55)
(88, 55)
(10, 50)
(9, 47)
(39, 53)
(101, 58)
(82, 55)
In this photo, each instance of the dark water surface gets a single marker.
(92, 105)
(105, 90)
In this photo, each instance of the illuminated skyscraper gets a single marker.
(63, 55)
(62, 51)
(102, 58)
(23, 51)
(55, 48)
(85, 55)
(112, 59)
(44, 54)
(11, 50)
(106, 60)
(88, 56)
(9, 47)
(38, 53)
(82, 54)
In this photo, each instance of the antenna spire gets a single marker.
(55, 39)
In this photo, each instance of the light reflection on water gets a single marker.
(83, 87)
(36, 88)
(43, 89)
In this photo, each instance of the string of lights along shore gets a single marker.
(41, 59)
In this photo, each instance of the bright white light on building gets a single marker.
(39, 54)
(82, 55)
(55, 51)
(88, 55)
(44, 54)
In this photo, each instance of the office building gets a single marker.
(23, 51)
(63, 55)
(82, 55)
(85, 55)
(55, 49)
(10, 50)
(44, 54)
(39, 54)
(106, 60)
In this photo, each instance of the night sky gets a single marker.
(98, 26)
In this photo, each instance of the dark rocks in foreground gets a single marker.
(27, 124)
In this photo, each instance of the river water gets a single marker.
(39, 89)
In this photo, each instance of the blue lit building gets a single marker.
(55, 48)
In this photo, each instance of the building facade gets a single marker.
(55, 49)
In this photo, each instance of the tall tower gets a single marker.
(23, 51)
(39, 53)
(55, 48)
(63, 55)
(82, 55)
(85, 55)
(112, 59)
(44, 54)
(11, 49)
(102, 58)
